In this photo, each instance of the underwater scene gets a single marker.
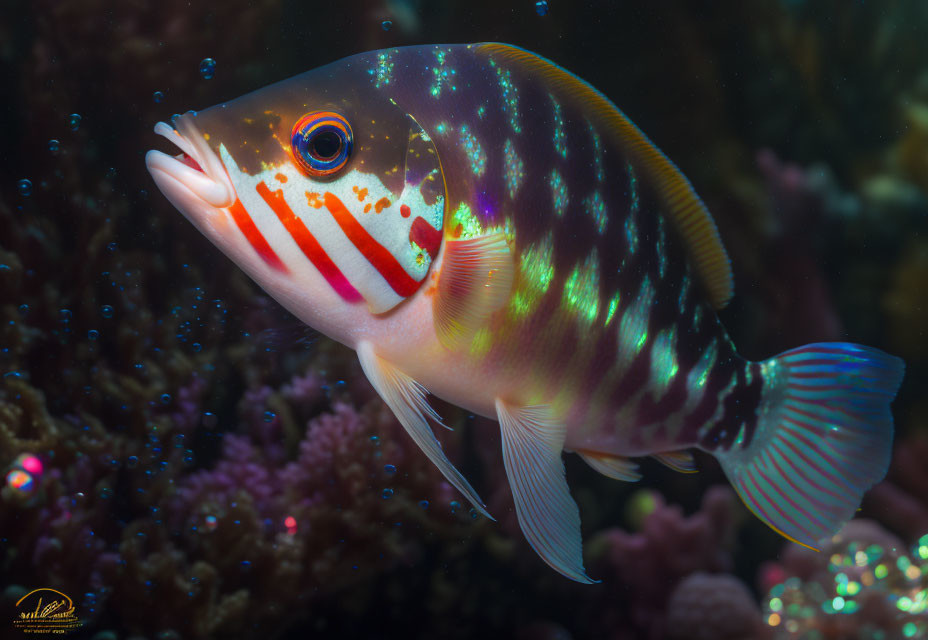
(542, 320)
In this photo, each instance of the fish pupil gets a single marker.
(325, 145)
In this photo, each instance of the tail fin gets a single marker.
(823, 437)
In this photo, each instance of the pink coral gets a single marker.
(713, 607)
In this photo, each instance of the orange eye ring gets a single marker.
(321, 143)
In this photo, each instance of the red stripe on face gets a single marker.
(308, 244)
(247, 226)
(426, 236)
(376, 253)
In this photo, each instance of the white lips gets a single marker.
(211, 185)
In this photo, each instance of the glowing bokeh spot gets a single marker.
(29, 462)
(20, 482)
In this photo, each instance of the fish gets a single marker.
(480, 224)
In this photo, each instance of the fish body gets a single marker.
(477, 222)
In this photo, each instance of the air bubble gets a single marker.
(386, 24)
(389, 468)
(74, 121)
(541, 7)
(207, 68)
(423, 504)
(54, 146)
(24, 187)
(106, 311)
(132, 462)
(158, 96)
(269, 416)
(387, 494)
(93, 334)
(165, 398)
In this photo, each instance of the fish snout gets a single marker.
(193, 178)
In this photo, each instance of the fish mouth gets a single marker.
(193, 178)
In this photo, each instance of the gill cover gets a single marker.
(367, 216)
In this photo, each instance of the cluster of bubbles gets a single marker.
(23, 477)
(867, 587)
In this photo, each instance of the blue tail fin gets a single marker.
(823, 437)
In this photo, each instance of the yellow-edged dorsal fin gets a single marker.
(686, 210)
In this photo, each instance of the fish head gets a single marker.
(319, 187)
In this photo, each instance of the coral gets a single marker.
(713, 607)
(642, 568)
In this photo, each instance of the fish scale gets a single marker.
(486, 226)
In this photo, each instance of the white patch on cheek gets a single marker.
(357, 191)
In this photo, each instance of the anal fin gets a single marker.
(475, 281)
(615, 467)
(406, 398)
(681, 461)
(549, 517)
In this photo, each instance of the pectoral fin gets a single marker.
(550, 520)
(406, 398)
(475, 281)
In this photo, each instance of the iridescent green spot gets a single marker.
(633, 329)
(513, 169)
(664, 366)
(741, 435)
(699, 374)
(596, 208)
(464, 224)
(442, 128)
(613, 306)
(536, 268)
(482, 342)
(442, 75)
(481, 111)
(510, 96)
(473, 150)
(909, 629)
(382, 71)
(560, 136)
(597, 153)
(581, 289)
(558, 192)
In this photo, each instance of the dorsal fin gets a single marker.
(687, 211)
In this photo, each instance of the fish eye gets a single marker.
(321, 142)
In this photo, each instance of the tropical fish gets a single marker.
(480, 224)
